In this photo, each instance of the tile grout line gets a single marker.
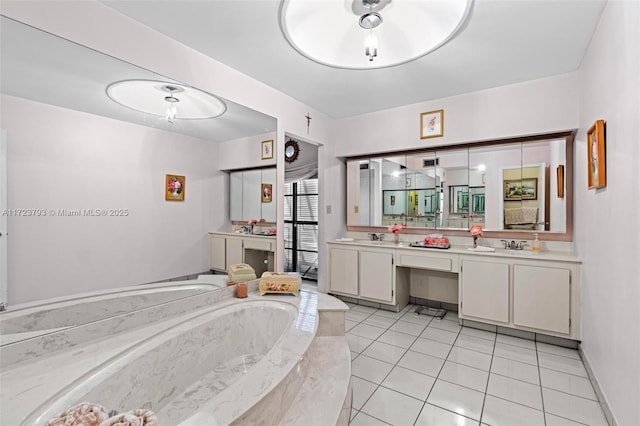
(440, 371)
(544, 412)
(486, 389)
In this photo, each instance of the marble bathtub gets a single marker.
(238, 361)
(33, 319)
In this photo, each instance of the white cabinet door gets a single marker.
(269, 209)
(235, 196)
(376, 276)
(217, 253)
(343, 274)
(235, 251)
(541, 298)
(251, 201)
(485, 290)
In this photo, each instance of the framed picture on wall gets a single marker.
(267, 149)
(522, 189)
(267, 191)
(432, 124)
(596, 167)
(174, 188)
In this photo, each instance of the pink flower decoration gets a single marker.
(252, 222)
(396, 229)
(476, 230)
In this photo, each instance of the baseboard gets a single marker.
(596, 387)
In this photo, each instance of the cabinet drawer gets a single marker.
(257, 245)
(426, 262)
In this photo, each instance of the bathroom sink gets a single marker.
(481, 249)
(377, 243)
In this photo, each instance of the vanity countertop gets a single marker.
(240, 234)
(554, 256)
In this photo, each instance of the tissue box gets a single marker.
(241, 273)
(275, 282)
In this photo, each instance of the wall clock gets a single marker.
(291, 151)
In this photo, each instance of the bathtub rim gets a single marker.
(39, 415)
(95, 296)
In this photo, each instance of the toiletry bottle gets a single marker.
(241, 290)
(535, 246)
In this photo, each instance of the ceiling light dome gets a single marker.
(165, 99)
(331, 32)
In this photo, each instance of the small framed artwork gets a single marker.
(596, 166)
(267, 192)
(560, 180)
(267, 149)
(524, 189)
(174, 188)
(432, 124)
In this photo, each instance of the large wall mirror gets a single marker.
(40, 70)
(507, 187)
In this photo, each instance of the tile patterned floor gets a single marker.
(417, 370)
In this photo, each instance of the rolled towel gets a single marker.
(83, 414)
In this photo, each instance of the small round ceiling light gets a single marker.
(165, 99)
(394, 31)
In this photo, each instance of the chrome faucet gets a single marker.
(376, 237)
(513, 245)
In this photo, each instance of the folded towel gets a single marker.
(241, 273)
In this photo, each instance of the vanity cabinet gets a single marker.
(343, 274)
(217, 252)
(525, 294)
(363, 273)
(542, 298)
(224, 251)
(228, 249)
(376, 276)
(484, 290)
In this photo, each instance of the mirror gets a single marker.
(502, 186)
(248, 197)
(72, 164)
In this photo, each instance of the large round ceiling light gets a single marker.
(352, 33)
(165, 99)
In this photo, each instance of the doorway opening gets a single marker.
(301, 213)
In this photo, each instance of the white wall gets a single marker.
(606, 220)
(92, 24)
(245, 152)
(533, 107)
(63, 159)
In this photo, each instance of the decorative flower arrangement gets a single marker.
(262, 220)
(395, 228)
(252, 222)
(476, 231)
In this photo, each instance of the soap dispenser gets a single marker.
(535, 246)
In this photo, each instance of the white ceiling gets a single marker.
(504, 42)
(41, 67)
